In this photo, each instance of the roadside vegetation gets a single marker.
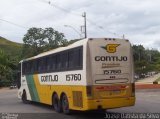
(8, 69)
(146, 61)
(35, 41)
(38, 40)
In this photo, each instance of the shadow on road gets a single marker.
(74, 115)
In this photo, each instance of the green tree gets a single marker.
(138, 52)
(6, 66)
(38, 40)
(145, 60)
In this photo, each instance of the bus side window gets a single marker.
(27, 67)
(58, 62)
(44, 62)
(39, 65)
(78, 58)
(70, 59)
(42, 65)
(75, 58)
(53, 63)
(81, 57)
(48, 63)
(32, 63)
(35, 66)
(64, 60)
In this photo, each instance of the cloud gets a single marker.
(138, 20)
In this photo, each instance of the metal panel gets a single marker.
(77, 99)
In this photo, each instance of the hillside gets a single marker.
(9, 47)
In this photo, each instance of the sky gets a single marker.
(137, 20)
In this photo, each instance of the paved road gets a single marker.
(148, 101)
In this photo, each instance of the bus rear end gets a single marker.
(110, 74)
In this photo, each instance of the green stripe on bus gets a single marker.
(32, 88)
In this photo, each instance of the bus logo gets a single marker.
(110, 48)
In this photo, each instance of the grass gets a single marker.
(9, 47)
(5, 41)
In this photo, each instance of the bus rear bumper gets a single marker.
(110, 103)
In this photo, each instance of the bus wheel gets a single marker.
(56, 103)
(24, 97)
(65, 104)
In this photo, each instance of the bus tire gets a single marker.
(65, 104)
(24, 98)
(56, 103)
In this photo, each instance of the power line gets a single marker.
(13, 23)
(60, 8)
(67, 11)
(102, 28)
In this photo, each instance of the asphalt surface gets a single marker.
(147, 101)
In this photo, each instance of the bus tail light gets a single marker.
(89, 91)
(133, 89)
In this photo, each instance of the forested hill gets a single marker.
(9, 47)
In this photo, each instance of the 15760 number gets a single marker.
(73, 77)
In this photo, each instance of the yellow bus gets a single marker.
(90, 74)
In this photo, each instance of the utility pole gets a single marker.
(85, 26)
(123, 36)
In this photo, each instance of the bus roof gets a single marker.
(59, 49)
(76, 44)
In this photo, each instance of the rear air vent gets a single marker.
(77, 99)
(110, 38)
